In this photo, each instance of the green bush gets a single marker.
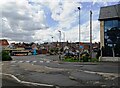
(85, 57)
(70, 59)
(5, 56)
(94, 60)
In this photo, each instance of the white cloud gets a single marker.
(70, 35)
(20, 21)
(73, 34)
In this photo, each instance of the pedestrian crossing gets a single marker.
(32, 61)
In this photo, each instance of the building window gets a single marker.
(112, 37)
(119, 24)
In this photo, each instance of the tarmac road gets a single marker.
(48, 70)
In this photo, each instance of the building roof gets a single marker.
(110, 12)
(4, 42)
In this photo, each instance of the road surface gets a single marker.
(50, 71)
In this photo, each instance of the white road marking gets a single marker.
(13, 61)
(34, 61)
(13, 65)
(25, 82)
(48, 61)
(41, 61)
(27, 61)
(113, 75)
(1, 64)
(79, 65)
(20, 61)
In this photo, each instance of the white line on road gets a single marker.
(114, 75)
(1, 64)
(27, 61)
(20, 61)
(48, 61)
(13, 61)
(34, 61)
(41, 61)
(25, 82)
(79, 65)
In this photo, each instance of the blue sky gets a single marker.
(86, 7)
(39, 20)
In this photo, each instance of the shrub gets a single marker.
(85, 58)
(70, 59)
(5, 56)
(94, 60)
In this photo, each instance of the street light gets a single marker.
(64, 36)
(60, 36)
(90, 33)
(60, 44)
(79, 32)
(52, 39)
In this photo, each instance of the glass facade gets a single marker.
(111, 38)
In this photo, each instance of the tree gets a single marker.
(5, 56)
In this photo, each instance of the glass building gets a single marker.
(110, 30)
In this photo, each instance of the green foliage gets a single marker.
(5, 56)
(83, 59)
(70, 59)
(94, 60)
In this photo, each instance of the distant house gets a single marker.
(34, 46)
(4, 43)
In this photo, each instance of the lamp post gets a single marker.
(60, 44)
(90, 33)
(79, 32)
(60, 36)
(52, 39)
(64, 36)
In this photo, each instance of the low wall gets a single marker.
(114, 59)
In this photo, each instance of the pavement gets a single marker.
(43, 69)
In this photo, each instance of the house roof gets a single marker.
(110, 12)
(4, 42)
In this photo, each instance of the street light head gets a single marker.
(90, 12)
(79, 8)
(59, 30)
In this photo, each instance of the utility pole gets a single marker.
(79, 32)
(64, 36)
(52, 39)
(60, 45)
(90, 33)
(60, 37)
